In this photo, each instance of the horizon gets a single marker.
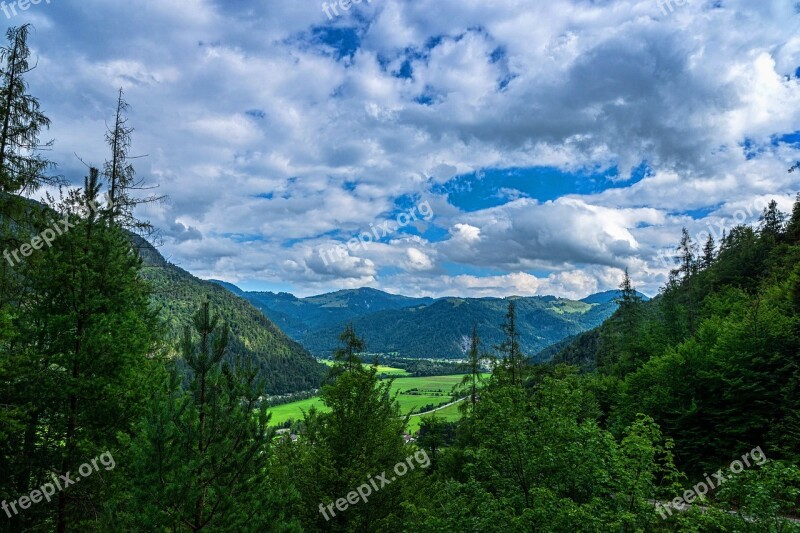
(423, 297)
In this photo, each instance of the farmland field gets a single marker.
(382, 369)
(414, 394)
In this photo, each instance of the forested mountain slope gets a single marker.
(283, 363)
(715, 358)
(424, 327)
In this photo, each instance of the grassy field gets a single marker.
(414, 394)
(382, 369)
(449, 413)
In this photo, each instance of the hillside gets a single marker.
(424, 327)
(714, 359)
(283, 363)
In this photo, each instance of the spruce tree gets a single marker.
(200, 460)
(83, 358)
(793, 226)
(709, 252)
(351, 346)
(338, 451)
(771, 221)
(21, 165)
(121, 175)
(471, 381)
(513, 361)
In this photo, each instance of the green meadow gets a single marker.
(414, 394)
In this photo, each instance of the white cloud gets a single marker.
(270, 146)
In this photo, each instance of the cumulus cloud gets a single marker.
(276, 131)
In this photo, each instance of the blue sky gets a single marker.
(556, 143)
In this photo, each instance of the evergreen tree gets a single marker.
(360, 437)
(352, 345)
(82, 359)
(687, 253)
(201, 455)
(472, 379)
(793, 226)
(709, 252)
(21, 165)
(771, 221)
(121, 175)
(513, 361)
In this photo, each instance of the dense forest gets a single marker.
(424, 327)
(109, 421)
(283, 365)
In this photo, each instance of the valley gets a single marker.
(414, 394)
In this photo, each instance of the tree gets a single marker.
(709, 253)
(201, 456)
(793, 226)
(121, 175)
(687, 252)
(513, 363)
(472, 379)
(360, 437)
(625, 346)
(771, 221)
(82, 358)
(352, 345)
(21, 166)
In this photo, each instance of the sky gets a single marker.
(470, 147)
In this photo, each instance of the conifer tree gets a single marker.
(793, 226)
(472, 379)
(352, 345)
(83, 357)
(513, 363)
(709, 252)
(21, 165)
(121, 175)
(771, 221)
(201, 455)
(360, 437)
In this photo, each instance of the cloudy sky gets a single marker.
(551, 144)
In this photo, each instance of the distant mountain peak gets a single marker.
(608, 297)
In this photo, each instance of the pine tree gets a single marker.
(121, 175)
(771, 221)
(709, 252)
(352, 345)
(472, 379)
(21, 165)
(201, 456)
(793, 226)
(513, 363)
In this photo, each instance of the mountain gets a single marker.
(282, 363)
(608, 297)
(302, 317)
(425, 327)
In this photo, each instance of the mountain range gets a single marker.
(425, 327)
